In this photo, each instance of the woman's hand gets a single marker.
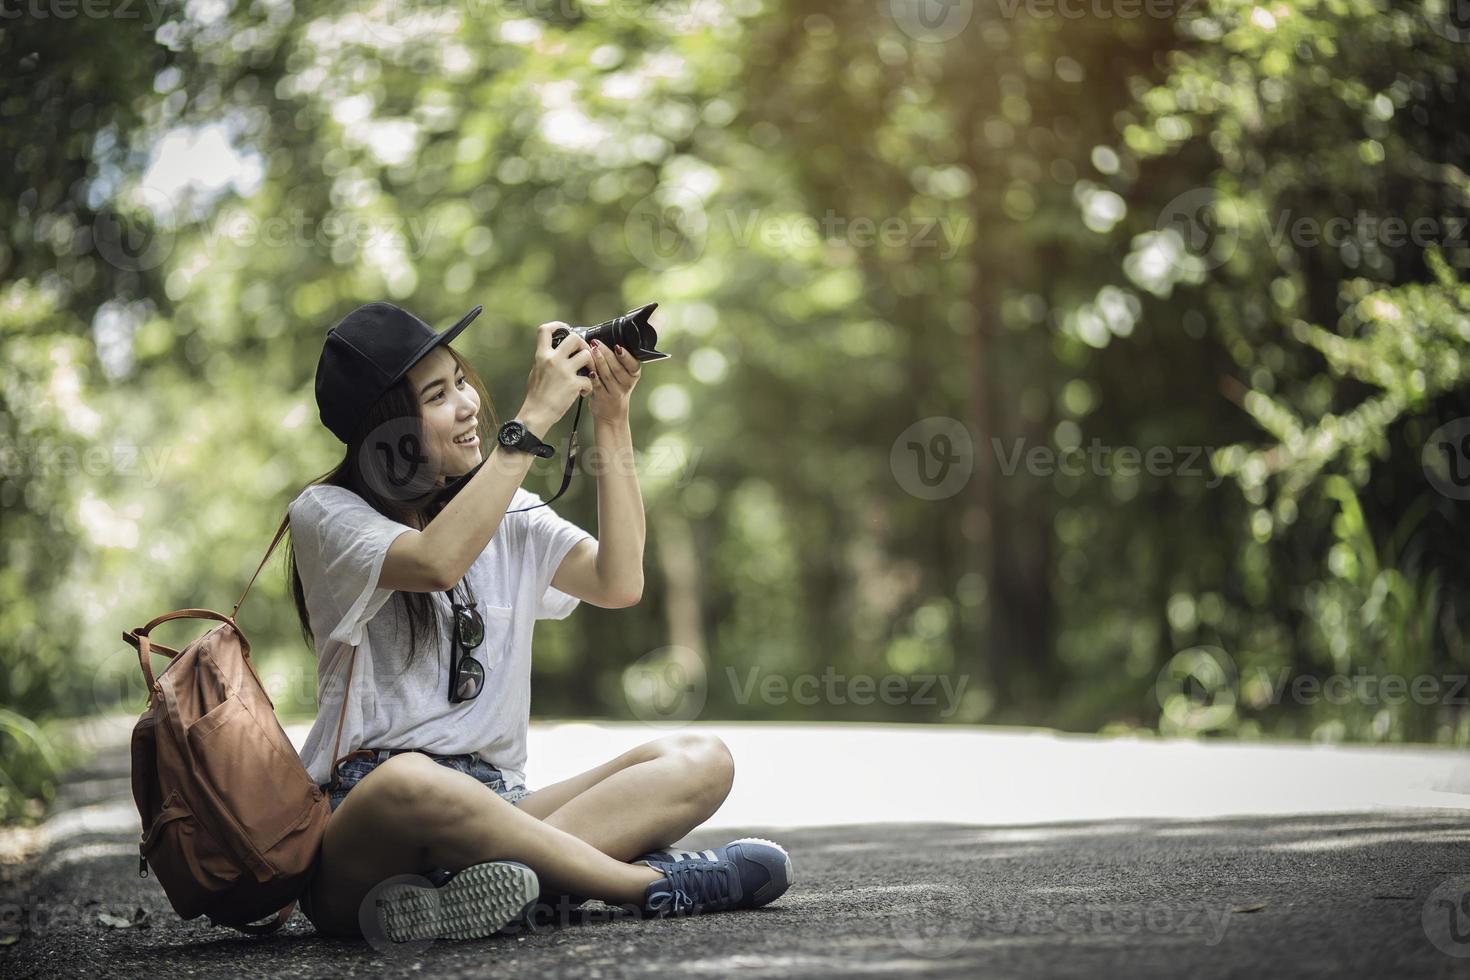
(614, 373)
(554, 383)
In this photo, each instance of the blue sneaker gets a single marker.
(743, 874)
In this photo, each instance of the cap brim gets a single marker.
(442, 338)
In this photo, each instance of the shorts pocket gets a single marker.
(350, 773)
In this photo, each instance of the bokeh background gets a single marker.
(1107, 361)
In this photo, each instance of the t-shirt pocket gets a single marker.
(498, 621)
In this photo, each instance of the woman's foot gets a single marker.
(743, 874)
(468, 904)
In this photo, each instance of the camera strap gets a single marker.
(450, 489)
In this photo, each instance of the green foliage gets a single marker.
(739, 163)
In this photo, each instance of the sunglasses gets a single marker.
(466, 674)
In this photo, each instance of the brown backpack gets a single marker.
(232, 821)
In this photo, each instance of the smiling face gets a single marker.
(449, 407)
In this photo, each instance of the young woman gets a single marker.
(431, 606)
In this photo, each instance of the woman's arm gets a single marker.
(443, 552)
(608, 571)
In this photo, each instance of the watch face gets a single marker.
(511, 433)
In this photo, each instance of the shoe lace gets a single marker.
(694, 886)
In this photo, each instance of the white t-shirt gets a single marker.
(340, 542)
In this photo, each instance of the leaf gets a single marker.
(1249, 908)
(138, 920)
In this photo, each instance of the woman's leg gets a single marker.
(410, 814)
(647, 798)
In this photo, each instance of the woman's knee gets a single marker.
(708, 764)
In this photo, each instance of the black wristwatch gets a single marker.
(514, 435)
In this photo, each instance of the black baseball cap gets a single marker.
(366, 354)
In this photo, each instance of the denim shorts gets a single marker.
(359, 763)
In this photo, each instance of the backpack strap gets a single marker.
(280, 532)
(342, 716)
(267, 928)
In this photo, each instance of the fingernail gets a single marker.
(619, 349)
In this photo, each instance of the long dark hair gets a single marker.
(397, 405)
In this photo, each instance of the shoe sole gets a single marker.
(476, 902)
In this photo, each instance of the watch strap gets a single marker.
(528, 442)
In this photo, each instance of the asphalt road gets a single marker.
(1378, 892)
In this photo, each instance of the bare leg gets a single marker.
(646, 798)
(410, 814)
